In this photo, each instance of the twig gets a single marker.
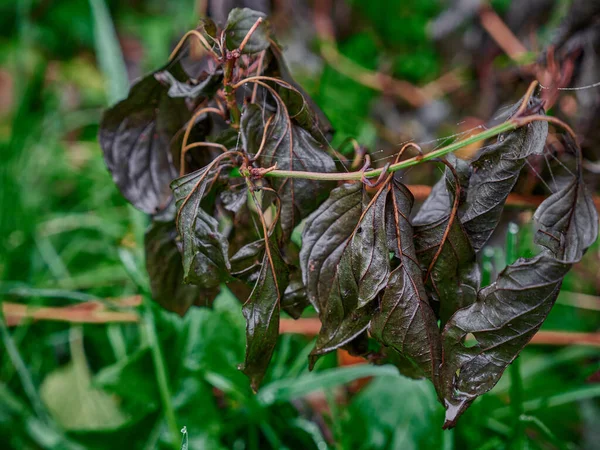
(311, 326)
(188, 130)
(89, 312)
(378, 81)
(501, 34)
(249, 34)
(197, 35)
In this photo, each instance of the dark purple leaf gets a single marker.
(204, 248)
(509, 312)
(205, 87)
(453, 279)
(291, 148)
(295, 299)
(345, 263)
(164, 266)
(135, 136)
(262, 312)
(495, 173)
(405, 321)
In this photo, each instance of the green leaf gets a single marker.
(509, 312)
(73, 401)
(239, 23)
(293, 388)
(165, 269)
(291, 148)
(204, 248)
(405, 321)
(373, 424)
(262, 311)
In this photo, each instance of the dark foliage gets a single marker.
(364, 265)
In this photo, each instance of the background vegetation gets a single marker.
(102, 366)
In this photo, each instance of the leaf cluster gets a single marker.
(230, 158)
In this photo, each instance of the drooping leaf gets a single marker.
(302, 109)
(291, 148)
(405, 321)
(345, 263)
(204, 248)
(239, 23)
(247, 261)
(510, 311)
(325, 234)
(495, 173)
(295, 299)
(135, 136)
(165, 269)
(206, 86)
(262, 311)
(444, 249)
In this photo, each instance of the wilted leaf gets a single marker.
(246, 263)
(291, 148)
(509, 312)
(325, 234)
(495, 173)
(206, 86)
(302, 109)
(295, 300)
(165, 269)
(453, 279)
(239, 23)
(405, 321)
(345, 263)
(262, 312)
(204, 248)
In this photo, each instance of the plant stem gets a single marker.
(514, 370)
(234, 110)
(342, 176)
(161, 373)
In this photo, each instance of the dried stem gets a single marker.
(501, 34)
(249, 34)
(197, 35)
(188, 130)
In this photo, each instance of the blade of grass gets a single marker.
(23, 373)
(518, 439)
(150, 337)
(160, 371)
(289, 389)
(108, 51)
(564, 398)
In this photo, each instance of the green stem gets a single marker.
(161, 373)
(343, 176)
(516, 382)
